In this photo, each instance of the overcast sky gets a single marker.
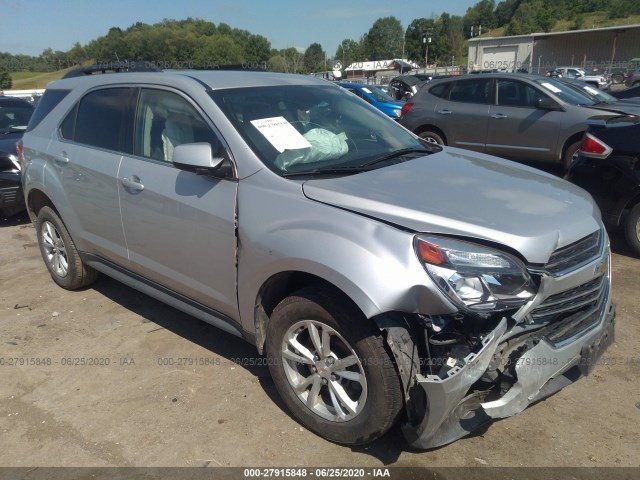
(29, 27)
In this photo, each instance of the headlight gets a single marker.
(474, 277)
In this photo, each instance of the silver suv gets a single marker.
(385, 278)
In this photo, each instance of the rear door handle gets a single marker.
(62, 159)
(499, 115)
(132, 183)
(444, 112)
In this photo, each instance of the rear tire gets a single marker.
(59, 252)
(570, 153)
(632, 229)
(432, 137)
(331, 367)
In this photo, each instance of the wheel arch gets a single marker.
(280, 285)
(36, 199)
(432, 128)
(576, 137)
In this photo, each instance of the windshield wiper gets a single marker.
(327, 171)
(397, 153)
(358, 168)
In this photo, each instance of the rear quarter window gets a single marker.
(49, 101)
(441, 90)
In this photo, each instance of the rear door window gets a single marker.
(472, 91)
(103, 119)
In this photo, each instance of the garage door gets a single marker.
(502, 58)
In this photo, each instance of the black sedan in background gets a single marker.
(14, 117)
(608, 167)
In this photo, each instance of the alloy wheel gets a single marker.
(55, 250)
(324, 371)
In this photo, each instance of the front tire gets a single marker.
(632, 228)
(331, 367)
(59, 252)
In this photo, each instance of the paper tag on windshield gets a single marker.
(553, 88)
(366, 90)
(280, 133)
(592, 90)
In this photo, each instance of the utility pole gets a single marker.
(426, 40)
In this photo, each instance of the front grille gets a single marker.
(572, 311)
(575, 255)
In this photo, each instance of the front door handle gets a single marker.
(133, 183)
(444, 112)
(499, 115)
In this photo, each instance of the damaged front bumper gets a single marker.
(452, 410)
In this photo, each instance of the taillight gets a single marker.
(19, 150)
(405, 108)
(594, 147)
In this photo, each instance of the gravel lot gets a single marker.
(110, 377)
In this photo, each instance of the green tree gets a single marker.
(414, 48)
(314, 58)
(384, 39)
(217, 50)
(5, 79)
(348, 52)
(482, 13)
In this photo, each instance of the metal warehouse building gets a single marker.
(600, 48)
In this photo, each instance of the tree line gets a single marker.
(197, 43)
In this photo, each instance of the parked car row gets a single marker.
(15, 114)
(600, 81)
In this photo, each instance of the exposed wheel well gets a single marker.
(276, 289)
(37, 199)
(431, 128)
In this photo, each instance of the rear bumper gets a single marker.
(451, 412)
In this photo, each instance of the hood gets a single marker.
(468, 194)
(619, 107)
(392, 105)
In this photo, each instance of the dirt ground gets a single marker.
(173, 394)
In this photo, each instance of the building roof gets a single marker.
(549, 34)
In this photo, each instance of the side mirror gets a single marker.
(546, 103)
(196, 158)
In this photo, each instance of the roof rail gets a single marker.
(249, 66)
(113, 67)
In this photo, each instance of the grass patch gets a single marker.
(31, 80)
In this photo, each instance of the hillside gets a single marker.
(32, 80)
(588, 20)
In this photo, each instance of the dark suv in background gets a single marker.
(14, 117)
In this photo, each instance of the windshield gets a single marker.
(297, 129)
(598, 95)
(14, 118)
(378, 94)
(564, 92)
